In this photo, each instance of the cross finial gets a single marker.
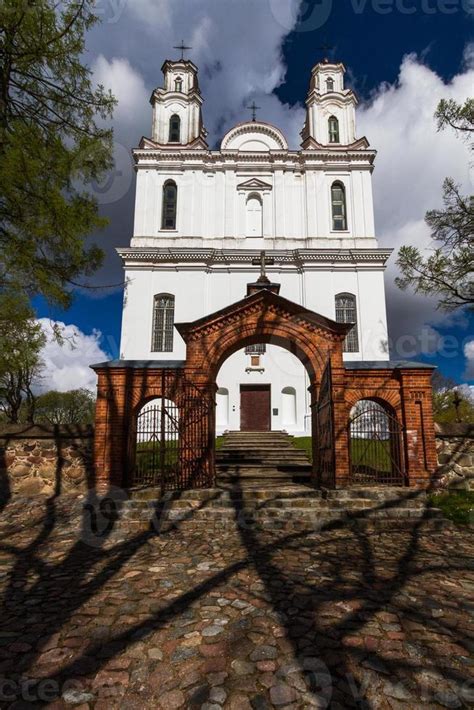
(326, 48)
(254, 108)
(263, 261)
(182, 47)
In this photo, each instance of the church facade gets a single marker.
(255, 301)
(203, 218)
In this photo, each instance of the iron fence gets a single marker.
(375, 446)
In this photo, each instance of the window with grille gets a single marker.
(163, 323)
(175, 128)
(338, 204)
(258, 349)
(333, 130)
(346, 312)
(330, 84)
(170, 200)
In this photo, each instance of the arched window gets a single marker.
(175, 128)
(178, 84)
(222, 407)
(330, 84)
(346, 312)
(170, 201)
(288, 406)
(338, 204)
(163, 323)
(333, 130)
(254, 216)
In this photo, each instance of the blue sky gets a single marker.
(397, 54)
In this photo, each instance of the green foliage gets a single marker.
(73, 407)
(50, 143)
(21, 341)
(457, 506)
(445, 412)
(447, 272)
(457, 116)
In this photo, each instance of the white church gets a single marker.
(203, 218)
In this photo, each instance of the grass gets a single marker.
(457, 506)
(304, 443)
(376, 455)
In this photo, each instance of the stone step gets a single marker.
(263, 468)
(268, 514)
(244, 448)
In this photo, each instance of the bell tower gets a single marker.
(177, 107)
(330, 109)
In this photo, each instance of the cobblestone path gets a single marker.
(232, 618)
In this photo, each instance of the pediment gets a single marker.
(263, 302)
(254, 184)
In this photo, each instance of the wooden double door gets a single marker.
(255, 403)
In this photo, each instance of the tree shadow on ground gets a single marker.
(343, 573)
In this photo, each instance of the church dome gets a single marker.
(254, 136)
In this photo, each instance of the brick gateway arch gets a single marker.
(124, 387)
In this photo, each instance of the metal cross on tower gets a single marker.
(254, 108)
(263, 261)
(182, 47)
(325, 47)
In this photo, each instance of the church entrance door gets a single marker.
(255, 407)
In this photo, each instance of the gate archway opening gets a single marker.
(375, 444)
(266, 389)
(264, 317)
(156, 444)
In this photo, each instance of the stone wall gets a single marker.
(43, 459)
(455, 448)
(47, 460)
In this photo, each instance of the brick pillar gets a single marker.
(110, 429)
(340, 422)
(419, 436)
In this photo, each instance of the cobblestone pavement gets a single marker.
(202, 617)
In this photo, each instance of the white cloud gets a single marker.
(413, 157)
(469, 355)
(126, 84)
(66, 366)
(237, 58)
(412, 161)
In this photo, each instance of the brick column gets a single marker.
(110, 429)
(417, 409)
(340, 422)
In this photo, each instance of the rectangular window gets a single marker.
(163, 323)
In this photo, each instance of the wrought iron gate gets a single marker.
(172, 442)
(157, 444)
(375, 446)
(325, 429)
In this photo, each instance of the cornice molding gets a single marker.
(229, 257)
(311, 158)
